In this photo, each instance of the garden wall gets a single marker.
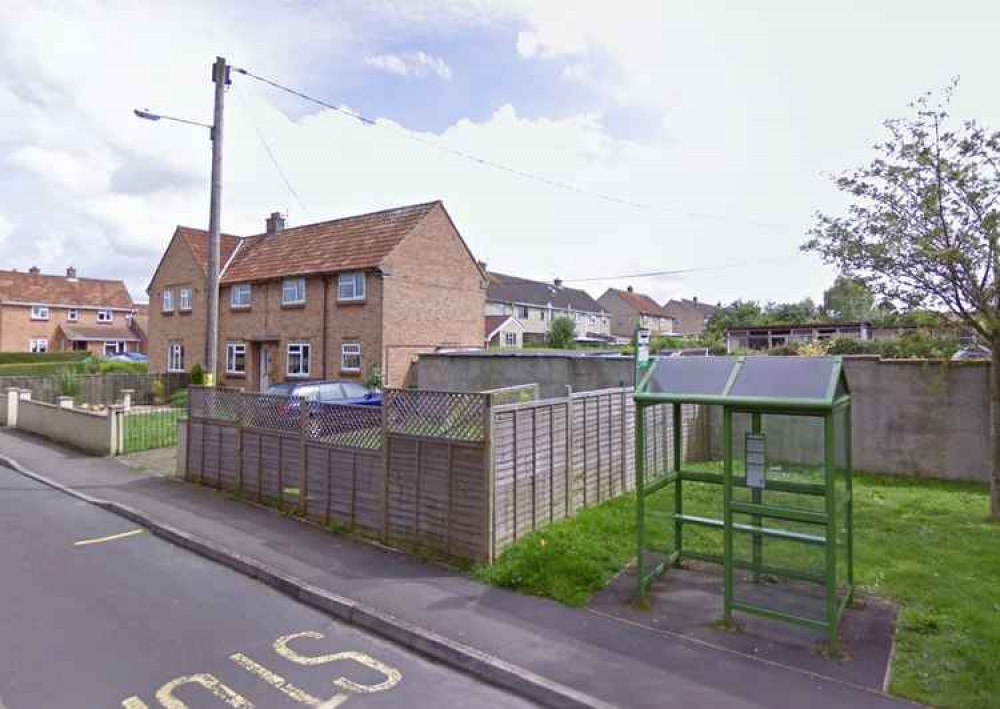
(91, 432)
(911, 417)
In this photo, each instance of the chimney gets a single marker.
(275, 223)
(482, 265)
(629, 289)
(558, 282)
(71, 273)
(694, 299)
(34, 270)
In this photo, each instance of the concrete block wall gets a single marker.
(911, 417)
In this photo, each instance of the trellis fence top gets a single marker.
(792, 383)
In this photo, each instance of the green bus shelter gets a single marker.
(786, 510)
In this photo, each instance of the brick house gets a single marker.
(321, 301)
(535, 304)
(630, 310)
(42, 312)
(690, 316)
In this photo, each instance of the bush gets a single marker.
(668, 343)
(197, 375)
(41, 369)
(179, 399)
(783, 351)
(159, 390)
(109, 367)
(68, 383)
(562, 333)
(373, 379)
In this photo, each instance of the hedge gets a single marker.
(42, 369)
(41, 357)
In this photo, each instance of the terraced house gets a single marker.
(338, 299)
(41, 312)
(630, 310)
(534, 305)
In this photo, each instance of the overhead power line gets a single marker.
(270, 153)
(485, 162)
(677, 272)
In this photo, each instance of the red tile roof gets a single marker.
(197, 241)
(359, 242)
(641, 303)
(26, 287)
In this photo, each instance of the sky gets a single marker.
(668, 136)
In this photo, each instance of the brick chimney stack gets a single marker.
(275, 223)
(35, 270)
(558, 282)
(629, 289)
(71, 272)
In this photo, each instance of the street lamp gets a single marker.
(220, 77)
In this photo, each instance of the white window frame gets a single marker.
(353, 284)
(167, 300)
(118, 347)
(523, 312)
(510, 339)
(39, 312)
(105, 316)
(299, 286)
(39, 345)
(175, 356)
(350, 350)
(73, 314)
(303, 351)
(235, 302)
(182, 306)
(234, 349)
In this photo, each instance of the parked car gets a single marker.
(129, 357)
(333, 391)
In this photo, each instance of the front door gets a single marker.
(264, 368)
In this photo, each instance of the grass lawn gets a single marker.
(153, 429)
(925, 544)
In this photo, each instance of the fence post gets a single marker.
(65, 402)
(127, 398)
(240, 405)
(386, 463)
(489, 520)
(568, 464)
(303, 455)
(116, 429)
(13, 397)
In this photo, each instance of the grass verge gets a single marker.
(928, 545)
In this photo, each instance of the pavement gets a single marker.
(552, 653)
(99, 612)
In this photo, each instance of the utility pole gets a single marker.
(220, 76)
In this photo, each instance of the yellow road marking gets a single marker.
(391, 674)
(110, 538)
(280, 683)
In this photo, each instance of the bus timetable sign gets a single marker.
(756, 460)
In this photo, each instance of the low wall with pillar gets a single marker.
(89, 431)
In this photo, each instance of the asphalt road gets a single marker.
(134, 622)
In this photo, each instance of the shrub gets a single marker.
(68, 383)
(811, 349)
(562, 333)
(41, 357)
(373, 379)
(159, 390)
(197, 375)
(179, 399)
(848, 345)
(109, 367)
(41, 369)
(784, 351)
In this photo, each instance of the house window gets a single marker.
(298, 359)
(73, 315)
(175, 357)
(39, 312)
(105, 316)
(185, 299)
(168, 301)
(114, 347)
(239, 296)
(510, 339)
(522, 312)
(293, 291)
(39, 346)
(350, 357)
(236, 358)
(351, 286)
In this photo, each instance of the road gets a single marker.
(95, 612)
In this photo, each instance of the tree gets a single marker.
(562, 333)
(849, 299)
(922, 227)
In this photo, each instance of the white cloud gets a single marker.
(755, 105)
(419, 64)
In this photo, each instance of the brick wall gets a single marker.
(435, 296)
(17, 329)
(177, 269)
